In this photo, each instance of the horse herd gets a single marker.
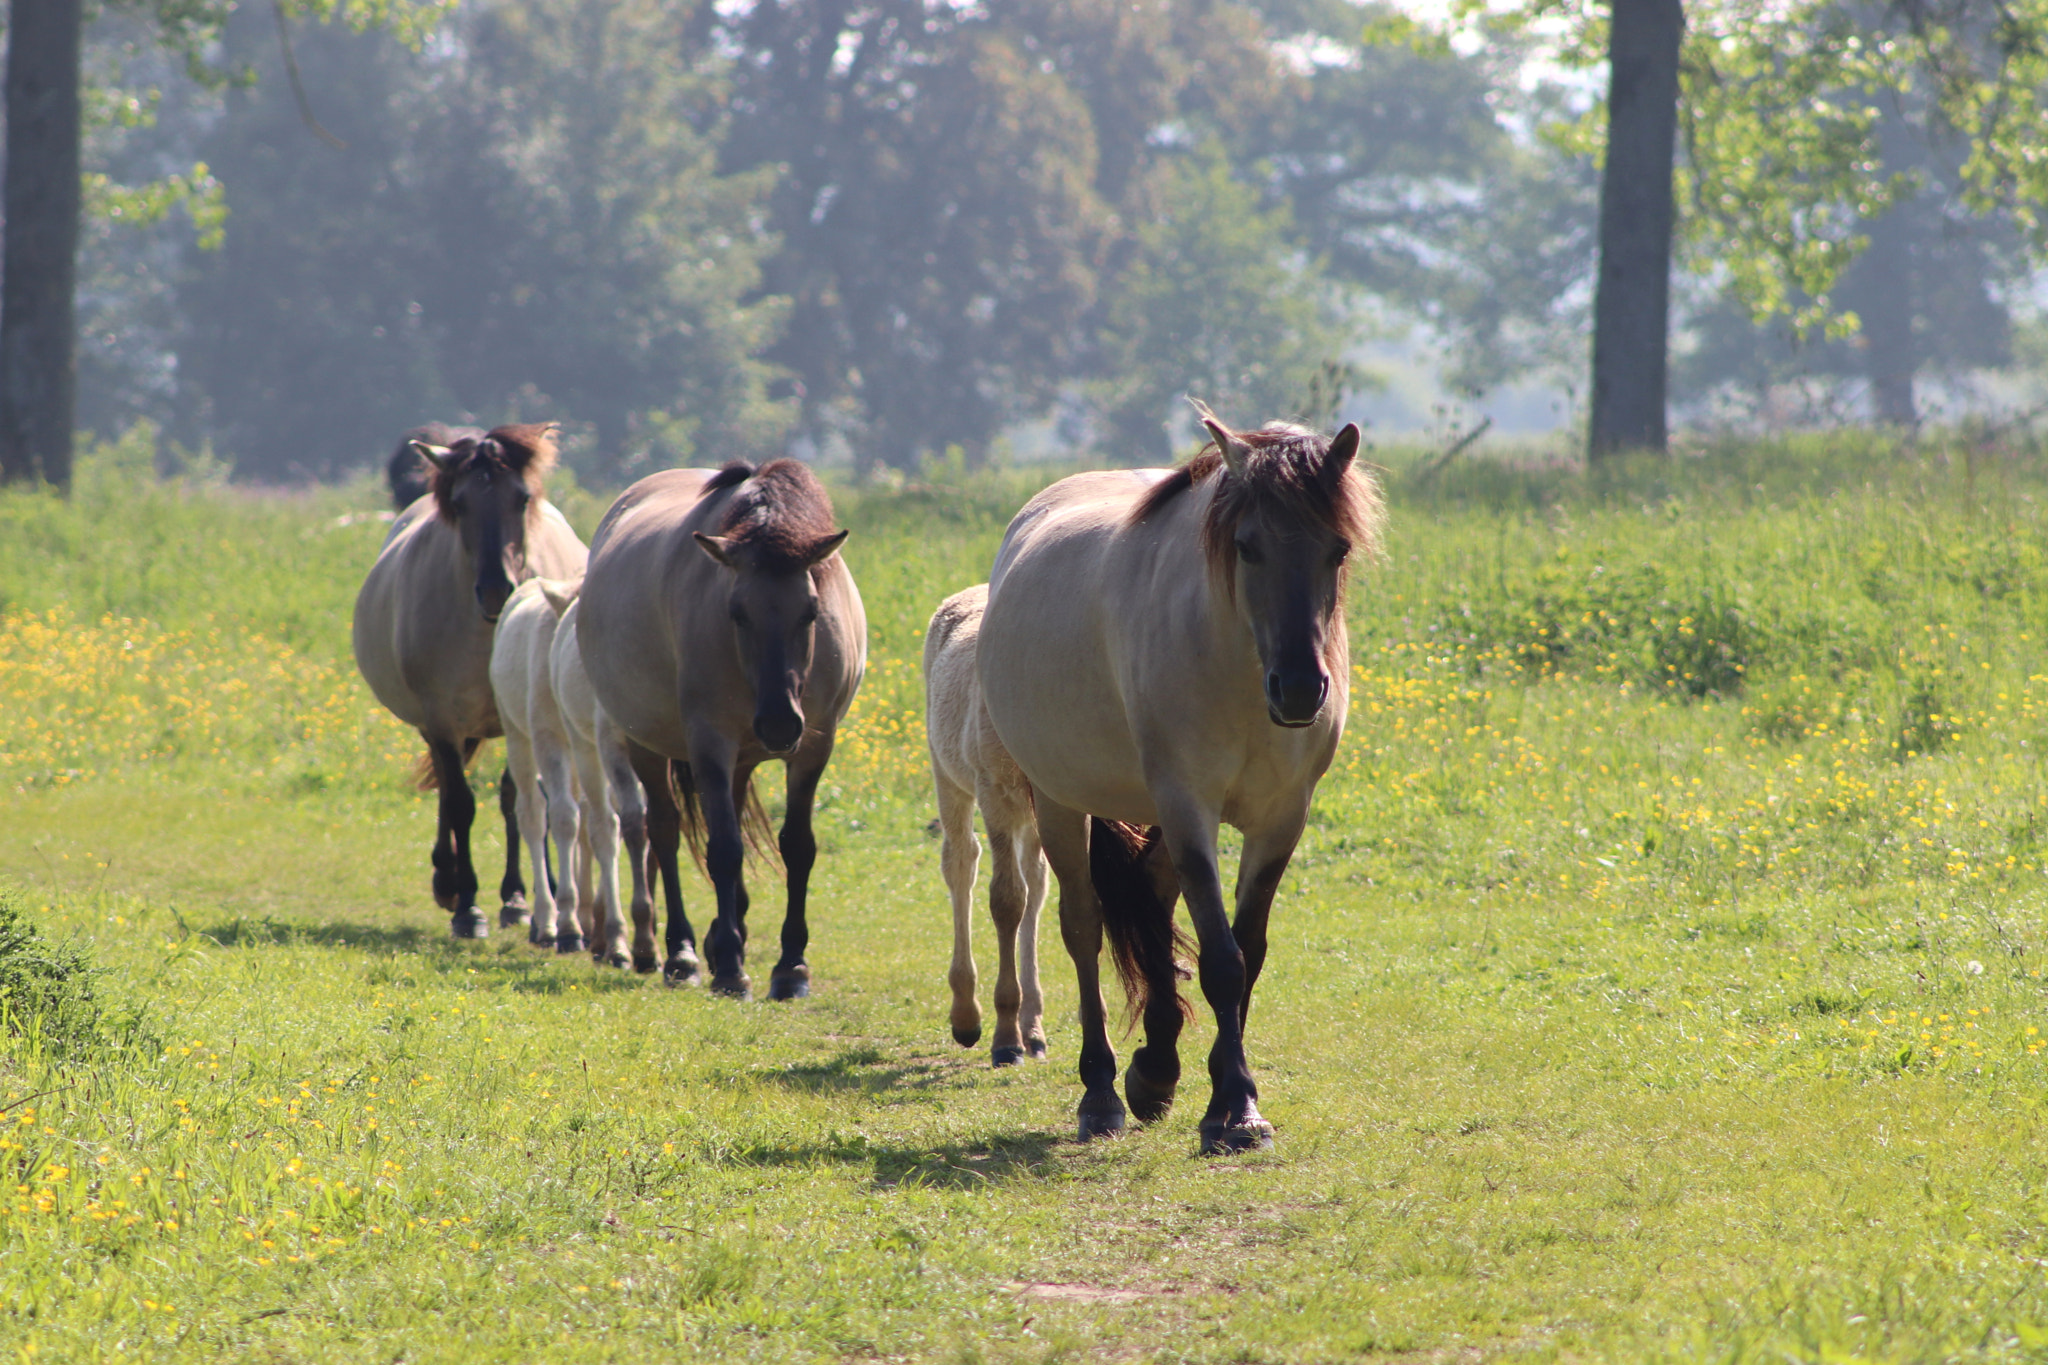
(1156, 652)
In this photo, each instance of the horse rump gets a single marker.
(1135, 884)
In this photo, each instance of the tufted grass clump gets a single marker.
(50, 997)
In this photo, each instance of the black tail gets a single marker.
(755, 827)
(1134, 881)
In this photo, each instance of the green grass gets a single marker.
(1660, 977)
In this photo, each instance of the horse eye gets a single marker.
(1250, 553)
(809, 618)
(1341, 553)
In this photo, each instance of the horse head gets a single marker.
(777, 535)
(1285, 518)
(486, 488)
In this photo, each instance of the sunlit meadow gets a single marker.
(1660, 977)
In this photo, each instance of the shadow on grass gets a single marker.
(505, 956)
(953, 1166)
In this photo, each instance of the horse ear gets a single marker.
(1235, 452)
(1343, 450)
(437, 456)
(824, 549)
(718, 547)
(560, 592)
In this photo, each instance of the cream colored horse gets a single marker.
(1167, 649)
(613, 801)
(423, 624)
(720, 627)
(970, 768)
(538, 755)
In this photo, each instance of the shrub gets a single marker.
(49, 991)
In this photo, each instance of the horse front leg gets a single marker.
(512, 888)
(799, 848)
(1233, 1122)
(711, 766)
(454, 873)
(1259, 870)
(1064, 832)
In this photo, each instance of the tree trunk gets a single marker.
(39, 263)
(1887, 317)
(1632, 302)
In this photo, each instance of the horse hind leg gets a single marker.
(1138, 891)
(612, 774)
(531, 822)
(959, 857)
(1006, 904)
(1031, 1020)
(1064, 832)
(565, 822)
(664, 844)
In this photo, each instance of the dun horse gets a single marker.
(423, 625)
(1167, 649)
(970, 767)
(720, 627)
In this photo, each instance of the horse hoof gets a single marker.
(614, 958)
(793, 984)
(1036, 1048)
(510, 914)
(570, 943)
(737, 987)
(1101, 1115)
(645, 962)
(1250, 1134)
(1150, 1097)
(1005, 1056)
(680, 972)
(544, 942)
(469, 924)
(967, 1037)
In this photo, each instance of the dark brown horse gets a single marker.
(424, 619)
(720, 629)
(1166, 649)
(409, 473)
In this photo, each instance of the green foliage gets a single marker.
(1210, 306)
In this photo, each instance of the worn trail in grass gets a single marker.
(1603, 1021)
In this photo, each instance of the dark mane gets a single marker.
(525, 450)
(778, 512)
(407, 473)
(1286, 473)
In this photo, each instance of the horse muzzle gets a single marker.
(779, 731)
(1295, 700)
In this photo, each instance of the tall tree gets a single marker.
(39, 264)
(1632, 298)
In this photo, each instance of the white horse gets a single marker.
(613, 801)
(971, 767)
(538, 756)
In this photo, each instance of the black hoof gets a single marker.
(571, 942)
(469, 924)
(1150, 1095)
(540, 940)
(615, 958)
(1005, 1056)
(1102, 1115)
(645, 963)
(679, 972)
(1249, 1134)
(1035, 1047)
(793, 984)
(967, 1037)
(511, 913)
(736, 987)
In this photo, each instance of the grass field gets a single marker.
(1660, 978)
